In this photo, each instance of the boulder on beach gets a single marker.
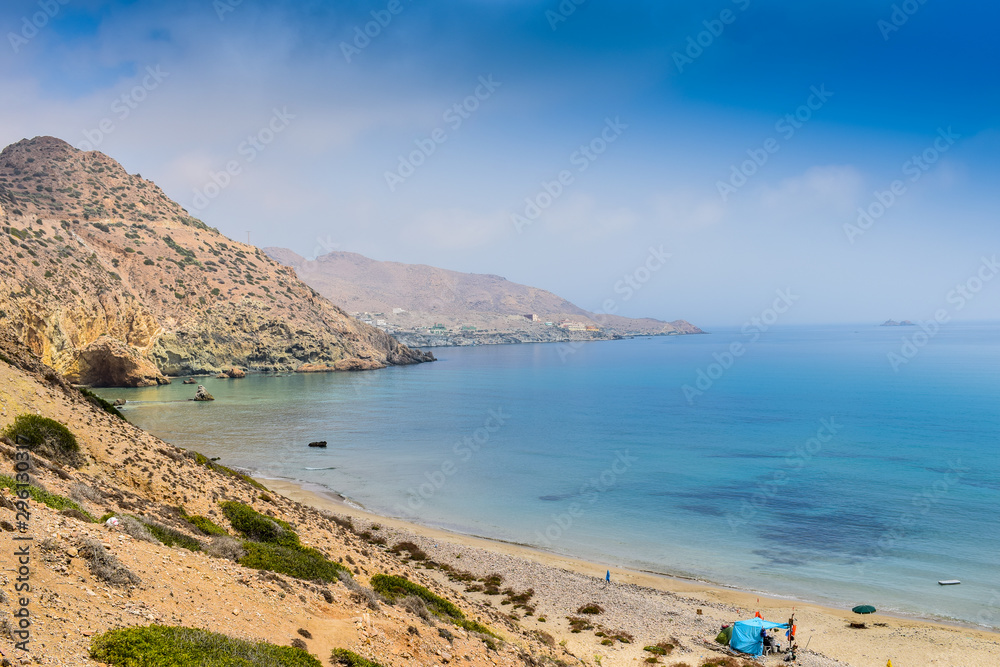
(318, 443)
(202, 394)
(119, 402)
(236, 373)
(221, 376)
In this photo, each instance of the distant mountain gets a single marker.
(112, 283)
(894, 323)
(431, 296)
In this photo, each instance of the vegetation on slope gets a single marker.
(40, 495)
(45, 437)
(169, 646)
(394, 588)
(271, 544)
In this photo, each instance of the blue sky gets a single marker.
(312, 121)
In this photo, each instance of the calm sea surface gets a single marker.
(807, 467)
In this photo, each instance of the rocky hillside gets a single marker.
(112, 283)
(430, 295)
(175, 559)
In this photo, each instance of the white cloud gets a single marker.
(827, 189)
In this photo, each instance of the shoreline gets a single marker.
(827, 619)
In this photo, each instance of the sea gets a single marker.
(841, 465)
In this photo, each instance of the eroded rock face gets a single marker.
(134, 289)
(108, 362)
(236, 373)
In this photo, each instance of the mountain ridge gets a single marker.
(432, 295)
(112, 283)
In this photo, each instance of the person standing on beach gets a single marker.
(607, 577)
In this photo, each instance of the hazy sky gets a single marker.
(741, 136)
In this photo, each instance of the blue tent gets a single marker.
(746, 635)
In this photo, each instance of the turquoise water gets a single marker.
(808, 468)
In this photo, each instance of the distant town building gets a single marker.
(531, 317)
(398, 311)
(572, 326)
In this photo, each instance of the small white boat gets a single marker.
(949, 582)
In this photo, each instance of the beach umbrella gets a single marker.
(864, 609)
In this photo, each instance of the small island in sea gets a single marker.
(894, 323)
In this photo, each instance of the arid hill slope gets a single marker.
(431, 295)
(126, 471)
(112, 283)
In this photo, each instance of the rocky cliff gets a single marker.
(112, 283)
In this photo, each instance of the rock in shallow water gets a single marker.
(202, 394)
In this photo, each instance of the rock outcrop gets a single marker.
(112, 283)
(236, 373)
(202, 394)
(110, 362)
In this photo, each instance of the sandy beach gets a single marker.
(656, 608)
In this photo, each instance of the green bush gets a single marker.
(40, 495)
(170, 537)
(299, 561)
(394, 588)
(206, 525)
(46, 437)
(165, 646)
(341, 656)
(257, 527)
(101, 403)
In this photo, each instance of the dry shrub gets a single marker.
(298, 643)
(223, 546)
(545, 638)
(135, 529)
(413, 551)
(416, 606)
(305, 633)
(81, 493)
(360, 593)
(105, 566)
